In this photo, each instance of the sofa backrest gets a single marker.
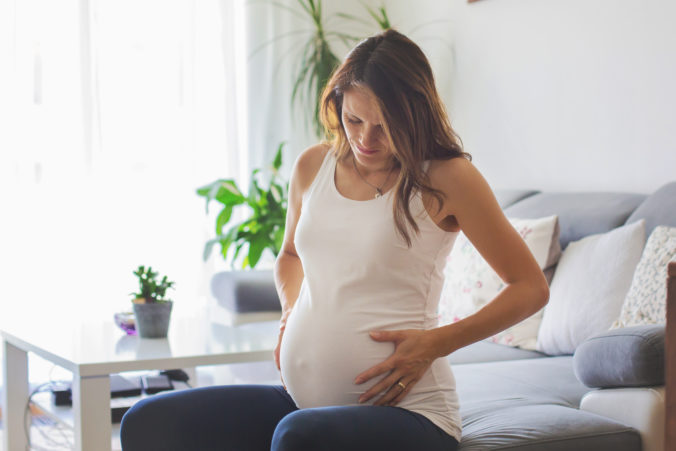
(580, 213)
(657, 209)
(507, 197)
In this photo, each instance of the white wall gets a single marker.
(557, 94)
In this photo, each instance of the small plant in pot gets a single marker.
(151, 306)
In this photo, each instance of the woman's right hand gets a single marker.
(278, 348)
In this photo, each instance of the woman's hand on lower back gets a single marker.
(413, 354)
(278, 348)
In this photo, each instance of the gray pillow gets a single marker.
(626, 357)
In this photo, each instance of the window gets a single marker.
(116, 113)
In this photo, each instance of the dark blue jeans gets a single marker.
(264, 417)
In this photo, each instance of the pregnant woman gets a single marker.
(372, 216)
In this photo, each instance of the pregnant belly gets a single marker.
(321, 355)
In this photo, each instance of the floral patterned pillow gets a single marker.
(470, 283)
(646, 300)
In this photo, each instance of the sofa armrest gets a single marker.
(246, 291)
(670, 359)
(626, 357)
(640, 408)
(240, 297)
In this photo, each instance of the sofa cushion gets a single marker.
(658, 209)
(487, 351)
(544, 428)
(470, 283)
(532, 404)
(246, 291)
(549, 380)
(580, 214)
(627, 357)
(589, 287)
(646, 301)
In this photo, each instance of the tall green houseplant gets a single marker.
(263, 229)
(317, 62)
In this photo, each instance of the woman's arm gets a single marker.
(470, 200)
(288, 270)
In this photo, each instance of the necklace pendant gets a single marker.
(378, 193)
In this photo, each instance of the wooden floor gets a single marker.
(46, 436)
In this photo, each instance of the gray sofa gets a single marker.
(609, 395)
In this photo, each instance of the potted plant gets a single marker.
(263, 228)
(152, 308)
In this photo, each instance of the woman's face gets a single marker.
(362, 123)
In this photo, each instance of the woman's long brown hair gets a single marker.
(416, 124)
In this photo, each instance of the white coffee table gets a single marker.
(95, 350)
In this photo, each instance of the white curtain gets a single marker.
(275, 39)
(112, 113)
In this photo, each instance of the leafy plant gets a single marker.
(317, 63)
(379, 15)
(264, 229)
(149, 288)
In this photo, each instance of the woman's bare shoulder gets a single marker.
(308, 163)
(459, 180)
(451, 173)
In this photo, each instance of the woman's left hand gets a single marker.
(413, 354)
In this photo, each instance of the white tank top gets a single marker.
(359, 277)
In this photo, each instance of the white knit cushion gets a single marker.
(646, 301)
(589, 287)
(470, 283)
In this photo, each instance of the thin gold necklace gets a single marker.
(379, 190)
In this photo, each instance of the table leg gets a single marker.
(192, 375)
(14, 398)
(91, 413)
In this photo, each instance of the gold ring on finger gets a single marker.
(401, 384)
